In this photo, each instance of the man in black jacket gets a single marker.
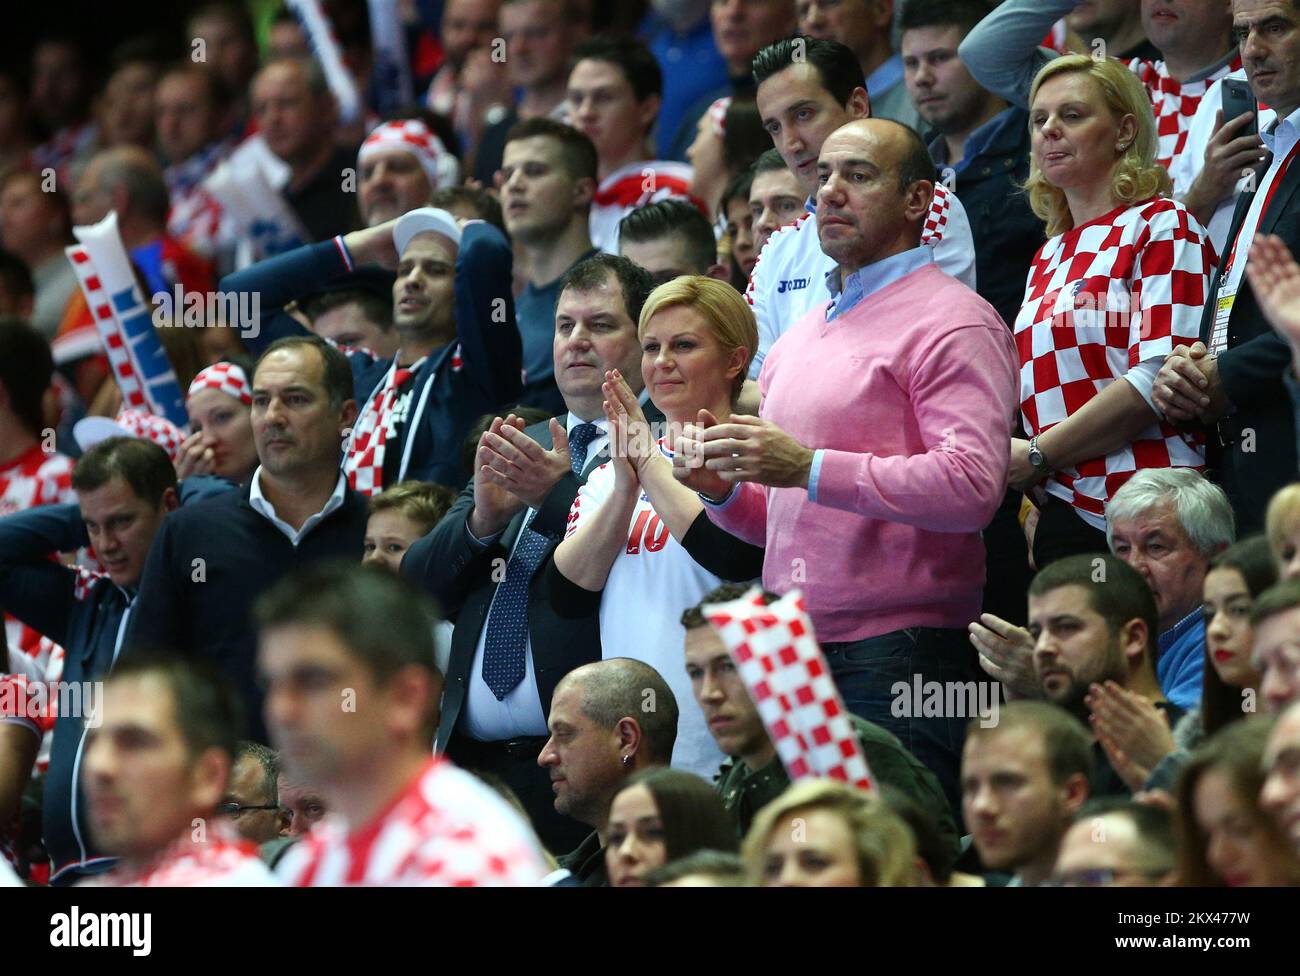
(212, 560)
(1232, 380)
(509, 649)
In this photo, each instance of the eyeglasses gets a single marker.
(234, 808)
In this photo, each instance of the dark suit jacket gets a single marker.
(1260, 454)
(460, 576)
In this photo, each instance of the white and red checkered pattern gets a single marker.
(364, 460)
(35, 478)
(150, 427)
(220, 861)
(110, 330)
(1174, 102)
(1100, 299)
(936, 220)
(717, 113)
(788, 678)
(227, 378)
(414, 137)
(445, 829)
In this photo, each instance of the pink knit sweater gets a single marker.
(909, 397)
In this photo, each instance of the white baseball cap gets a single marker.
(423, 221)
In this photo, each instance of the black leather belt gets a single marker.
(525, 747)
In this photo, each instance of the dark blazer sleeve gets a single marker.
(37, 590)
(160, 611)
(445, 562)
(1252, 372)
(569, 600)
(721, 553)
(553, 517)
(491, 350)
(279, 280)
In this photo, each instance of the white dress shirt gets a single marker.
(264, 508)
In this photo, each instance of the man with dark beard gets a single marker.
(1094, 621)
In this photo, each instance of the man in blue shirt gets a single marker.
(679, 34)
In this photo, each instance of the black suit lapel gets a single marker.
(1244, 201)
(1279, 205)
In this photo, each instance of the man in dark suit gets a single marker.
(1232, 380)
(483, 561)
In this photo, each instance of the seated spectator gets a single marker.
(220, 407)
(1275, 658)
(405, 512)
(297, 116)
(1224, 836)
(1282, 526)
(459, 350)
(776, 199)
(728, 138)
(681, 38)
(754, 775)
(125, 107)
(1150, 273)
(670, 238)
(936, 858)
(354, 310)
(1281, 793)
(638, 538)
(661, 815)
(601, 734)
(230, 45)
(398, 166)
(156, 766)
(614, 93)
(398, 816)
(547, 179)
(737, 240)
(703, 869)
(1089, 634)
(35, 226)
(1237, 577)
(199, 585)
(1023, 780)
(30, 474)
(466, 33)
(303, 806)
(866, 27)
(1168, 523)
(1117, 843)
(60, 101)
(250, 800)
(821, 833)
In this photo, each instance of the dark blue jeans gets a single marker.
(867, 671)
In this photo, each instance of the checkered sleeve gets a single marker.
(1170, 282)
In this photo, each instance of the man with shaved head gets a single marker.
(608, 720)
(876, 460)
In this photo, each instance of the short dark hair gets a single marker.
(932, 846)
(269, 760)
(1155, 827)
(836, 65)
(690, 810)
(206, 709)
(384, 621)
(722, 866)
(743, 137)
(26, 368)
(1121, 594)
(577, 151)
(483, 203)
(941, 13)
(693, 617)
(15, 277)
(770, 160)
(376, 308)
(337, 371)
(915, 163)
(142, 464)
(636, 61)
(1278, 598)
(1066, 743)
(678, 218)
(634, 280)
(615, 689)
(737, 188)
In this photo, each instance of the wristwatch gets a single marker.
(1036, 457)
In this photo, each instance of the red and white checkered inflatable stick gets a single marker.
(783, 667)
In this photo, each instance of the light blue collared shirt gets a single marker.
(885, 77)
(873, 277)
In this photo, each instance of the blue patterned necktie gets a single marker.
(507, 624)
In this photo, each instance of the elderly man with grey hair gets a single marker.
(1167, 523)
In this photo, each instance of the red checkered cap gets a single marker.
(717, 114)
(150, 427)
(414, 137)
(225, 378)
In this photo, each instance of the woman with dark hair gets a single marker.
(661, 815)
(736, 245)
(1224, 837)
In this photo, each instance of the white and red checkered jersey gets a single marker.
(445, 829)
(1100, 299)
(1174, 102)
(789, 279)
(652, 580)
(219, 861)
(632, 186)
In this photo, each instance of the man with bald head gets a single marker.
(876, 459)
(608, 720)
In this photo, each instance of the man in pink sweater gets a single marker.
(880, 452)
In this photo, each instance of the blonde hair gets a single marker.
(728, 315)
(1281, 521)
(884, 843)
(1135, 176)
(423, 502)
